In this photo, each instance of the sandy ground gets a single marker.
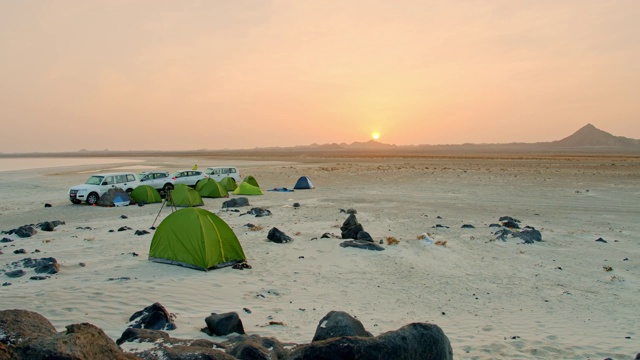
(494, 299)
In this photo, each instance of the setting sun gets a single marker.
(375, 135)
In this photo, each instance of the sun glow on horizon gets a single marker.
(375, 135)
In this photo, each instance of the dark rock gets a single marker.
(494, 225)
(141, 232)
(25, 231)
(6, 284)
(124, 217)
(6, 240)
(350, 228)
(502, 234)
(601, 240)
(80, 341)
(529, 236)
(47, 226)
(47, 205)
(124, 228)
(15, 273)
(296, 204)
(224, 324)
(141, 335)
(329, 236)
(468, 226)
(414, 341)
(364, 236)
(254, 347)
(511, 224)
(259, 212)
(366, 245)
(193, 351)
(38, 277)
(339, 323)
(154, 317)
(508, 218)
(236, 202)
(18, 326)
(439, 226)
(20, 251)
(351, 211)
(278, 236)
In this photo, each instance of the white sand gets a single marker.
(493, 299)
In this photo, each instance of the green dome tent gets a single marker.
(195, 238)
(251, 181)
(229, 183)
(182, 195)
(247, 189)
(211, 188)
(146, 194)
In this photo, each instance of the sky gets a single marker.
(188, 75)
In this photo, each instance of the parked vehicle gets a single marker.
(159, 180)
(189, 177)
(91, 191)
(218, 173)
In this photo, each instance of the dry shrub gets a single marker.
(90, 239)
(607, 268)
(392, 240)
(421, 237)
(297, 233)
(256, 227)
(441, 243)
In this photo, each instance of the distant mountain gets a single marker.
(590, 136)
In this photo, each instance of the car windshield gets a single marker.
(144, 176)
(95, 180)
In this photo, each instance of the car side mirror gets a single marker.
(105, 183)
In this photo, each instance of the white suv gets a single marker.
(159, 180)
(220, 172)
(98, 184)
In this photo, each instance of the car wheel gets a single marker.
(129, 191)
(167, 187)
(92, 198)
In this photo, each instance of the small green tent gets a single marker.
(229, 183)
(247, 189)
(182, 195)
(210, 188)
(251, 181)
(146, 194)
(195, 238)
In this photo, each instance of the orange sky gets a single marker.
(182, 75)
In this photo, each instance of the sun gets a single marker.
(375, 135)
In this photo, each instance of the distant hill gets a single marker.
(587, 140)
(590, 136)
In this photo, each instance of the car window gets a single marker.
(121, 179)
(161, 176)
(131, 177)
(232, 170)
(94, 180)
(108, 180)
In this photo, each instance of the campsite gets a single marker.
(493, 298)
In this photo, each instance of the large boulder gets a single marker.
(416, 341)
(255, 347)
(183, 352)
(339, 323)
(350, 228)
(26, 231)
(17, 326)
(224, 324)
(142, 335)
(154, 317)
(79, 341)
(278, 236)
(236, 202)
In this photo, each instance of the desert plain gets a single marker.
(566, 297)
